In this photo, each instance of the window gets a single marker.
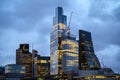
(43, 61)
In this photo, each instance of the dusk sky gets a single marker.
(30, 21)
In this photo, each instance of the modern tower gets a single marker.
(87, 57)
(59, 26)
(63, 47)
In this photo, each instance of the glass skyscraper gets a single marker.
(63, 47)
(87, 58)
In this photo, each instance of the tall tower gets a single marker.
(59, 26)
(24, 57)
(87, 57)
(63, 47)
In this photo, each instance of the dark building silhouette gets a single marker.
(24, 57)
(2, 73)
(87, 57)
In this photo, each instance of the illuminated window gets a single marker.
(59, 65)
(43, 61)
(62, 26)
(60, 56)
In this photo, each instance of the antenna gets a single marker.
(69, 24)
(32, 46)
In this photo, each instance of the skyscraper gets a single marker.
(87, 57)
(24, 57)
(59, 26)
(63, 47)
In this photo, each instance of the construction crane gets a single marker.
(69, 24)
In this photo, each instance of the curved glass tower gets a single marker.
(87, 58)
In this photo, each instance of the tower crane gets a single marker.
(68, 28)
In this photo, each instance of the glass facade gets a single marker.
(15, 72)
(43, 66)
(63, 49)
(13, 68)
(70, 55)
(87, 57)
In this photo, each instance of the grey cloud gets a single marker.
(24, 16)
(5, 19)
(27, 13)
(117, 57)
(18, 18)
(116, 13)
(103, 23)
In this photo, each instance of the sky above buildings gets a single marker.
(30, 21)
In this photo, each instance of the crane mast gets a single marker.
(68, 28)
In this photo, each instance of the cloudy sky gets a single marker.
(30, 21)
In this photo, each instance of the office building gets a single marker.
(87, 58)
(41, 65)
(59, 26)
(24, 57)
(63, 46)
(14, 72)
(69, 53)
(89, 66)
